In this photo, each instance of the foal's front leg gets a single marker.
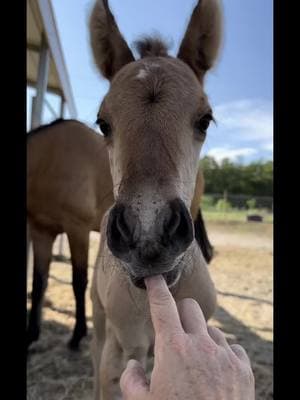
(98, 339)
(114, 359)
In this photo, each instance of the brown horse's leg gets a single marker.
(79, 245)
(42, 249)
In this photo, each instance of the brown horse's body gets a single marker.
(68, 177)
(69, 188)
(154, 118)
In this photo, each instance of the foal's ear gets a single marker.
(200, 45)
(110, 50)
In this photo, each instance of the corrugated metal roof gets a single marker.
(41, 20)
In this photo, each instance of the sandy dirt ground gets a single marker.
(243, 274)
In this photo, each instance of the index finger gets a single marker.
(163, 309)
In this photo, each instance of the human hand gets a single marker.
(192, 361)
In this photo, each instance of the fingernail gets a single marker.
(131, 363)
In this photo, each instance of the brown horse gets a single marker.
(69, 188)
(154, 118)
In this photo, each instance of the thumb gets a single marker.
(133, 382)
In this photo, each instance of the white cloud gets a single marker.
(247, 120)
(219, 153)
(268, 146)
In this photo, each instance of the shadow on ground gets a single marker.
(259, 350)
(55, 370)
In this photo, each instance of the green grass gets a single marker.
(234, 215)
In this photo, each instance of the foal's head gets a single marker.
(154, 118)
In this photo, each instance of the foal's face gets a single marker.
(154, 117)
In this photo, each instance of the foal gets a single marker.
(154, 119)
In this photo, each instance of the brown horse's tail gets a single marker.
(202, 238)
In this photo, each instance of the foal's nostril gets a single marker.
(172, 225)
(122, 227)
(178, 228)
(119, 231)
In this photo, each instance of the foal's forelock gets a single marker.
(151, 47)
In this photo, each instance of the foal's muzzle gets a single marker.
(153, 251)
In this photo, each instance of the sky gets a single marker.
(240, 87)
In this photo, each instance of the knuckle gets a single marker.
(238, 348)
(207, 345)
(178, 342)
(248, 374)
(189, 302)
(243, 369)
(218, 331)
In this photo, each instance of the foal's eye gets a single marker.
(202, 123)
(104, 127)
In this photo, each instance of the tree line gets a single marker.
(254, 179)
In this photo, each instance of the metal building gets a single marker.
(46, 67)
